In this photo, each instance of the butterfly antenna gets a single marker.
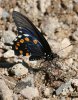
(66, 47)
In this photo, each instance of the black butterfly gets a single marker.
(30, 40)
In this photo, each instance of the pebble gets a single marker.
(44, 4)
(30, 92)
(1, 10)
(18, 70)
(8, 54)
(3, 13)
(75, 35)
(76, 7)
(8, 37)
(29, 80)
(68, 4)
(49, 25)
(65, 48)
(5, 92)
(17, 9)
(15, 97)
(31, 6)
(47, 92)
(2, 45)
(64, 88)
(76, 1)
(75, 82)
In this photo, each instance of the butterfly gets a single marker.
(30, 41)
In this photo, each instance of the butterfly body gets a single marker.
(30, 41)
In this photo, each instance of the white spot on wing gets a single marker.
(25, 34)
(20, 27)
(19, 36)
(20, 31)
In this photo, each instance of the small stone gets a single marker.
(75, 82)
(8, 54)
(68, 4)
(5, 92)
(47, 92)
(1, 44)
(17, 9)
(76, 7)
(63, 98)
(18, 70)
(5, 14)
(65, 48)
(8, 37)
(1, 11)
(76, 1)
(29, 80)
(44, 5)
(75, 35)
(64, 88)
(15, 97)
(30, 92)
(49, 25)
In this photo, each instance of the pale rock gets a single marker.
(8, 36)
(76, 1)
(30, 92)
(65, 88)
(75, 82)
(49, 25)
(8, 54)
(44, 4)
(3, 13)
(65, 48)
(17, 9)
(47, 92)
(68, 4)
(5, 92)
(75, 35)
(19, 70)
(1, 10)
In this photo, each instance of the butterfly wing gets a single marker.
(26, 25)
(27, 44)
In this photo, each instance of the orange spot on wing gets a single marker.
(27, 39)
(18, 44)
(27, 54)
(21, 52)
(16, 47)
(35, 41)
(22, 41)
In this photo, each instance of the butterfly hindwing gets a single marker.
(27, 44)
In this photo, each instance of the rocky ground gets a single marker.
(21, 79)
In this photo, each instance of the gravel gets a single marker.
(39, 80)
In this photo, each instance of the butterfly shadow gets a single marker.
(43, 66)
